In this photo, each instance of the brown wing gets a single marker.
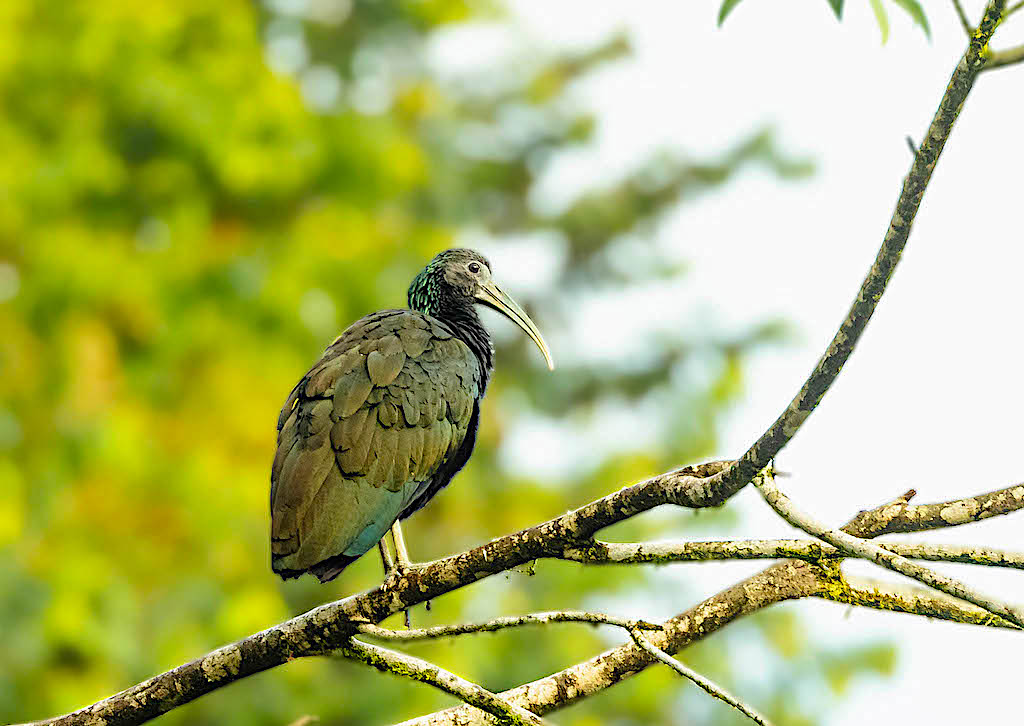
(377, 416)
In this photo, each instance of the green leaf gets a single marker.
(727, 7)
(837, 8)
(882, 18)
(917, 13)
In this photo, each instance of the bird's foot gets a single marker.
(398, 567)
(396, 571)
(403, 567)
(394, 575)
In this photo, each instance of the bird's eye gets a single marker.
(474, 267)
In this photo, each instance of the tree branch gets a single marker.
(625, 553)
(708, 686)
(880, 595)
(633, 627)
(757, 457)
(855, 547)
(329, 626)
(515, 621)
(967, 555)
(1003, 58)
(784, 581)
(900, 517)
(962, 16)
(405, 665)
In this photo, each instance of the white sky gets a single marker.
(932, 397)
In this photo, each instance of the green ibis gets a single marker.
(385, 419)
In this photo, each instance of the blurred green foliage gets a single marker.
(911, 7)
(194, 199)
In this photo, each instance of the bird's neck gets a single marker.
(430, 298)
(467, 326)
(464, 321)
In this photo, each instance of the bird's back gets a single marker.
(367, 434)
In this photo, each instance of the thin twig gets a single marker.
(909, 599)
(963, 554)
(625, 553)
(710, 687)
(446, 631)
(964, 22)
(1012, 9)
(420, 670)
(855, 547)
(1003, 58)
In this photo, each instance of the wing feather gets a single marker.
(351, 392)
(366, 431)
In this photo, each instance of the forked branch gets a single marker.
(855, 547)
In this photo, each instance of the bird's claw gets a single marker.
(401, 569)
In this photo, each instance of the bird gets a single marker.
(385, 419)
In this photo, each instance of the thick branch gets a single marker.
(1011, 56)
(899, 517)
(405, 665)
(330, 626)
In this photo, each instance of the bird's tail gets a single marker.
(324, 571)
(331, 567)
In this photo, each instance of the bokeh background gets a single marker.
(196, 198)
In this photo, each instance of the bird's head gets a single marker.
(461, 277)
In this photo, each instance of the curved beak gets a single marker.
(495, 298)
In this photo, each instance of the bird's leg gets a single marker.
(392, 568)
(385, 556)
(402, 563)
